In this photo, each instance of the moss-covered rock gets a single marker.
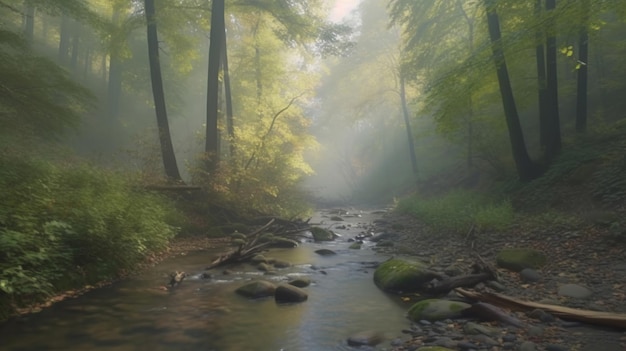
(321, 234)
(434, 348)
(256, 289)
(355, 246)
(516, 259)
(398, 275)
(436, 310)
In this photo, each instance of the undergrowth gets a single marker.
(459, 210)
(63, 226)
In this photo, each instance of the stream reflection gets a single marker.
(208, 315)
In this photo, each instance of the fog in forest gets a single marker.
(328, 99)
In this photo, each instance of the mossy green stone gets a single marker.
(321, 234)
(434, 348)
(402, 275)
(435, 309)
(517, 259)
(355, 246)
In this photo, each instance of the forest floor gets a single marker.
(590, 254)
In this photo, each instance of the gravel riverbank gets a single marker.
(586, 269)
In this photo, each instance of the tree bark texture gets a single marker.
(167, 149)
(540, 55)
(526, 169)
(583, 61)
(553, 142)
(407, 124)
(215, 53)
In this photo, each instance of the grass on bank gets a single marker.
(63, 226)
(459, 210)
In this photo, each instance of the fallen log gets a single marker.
(609, 319)
(245, 251)
(448, 284)
(488, 312)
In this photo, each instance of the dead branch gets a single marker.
(592, 317)
(444, 286)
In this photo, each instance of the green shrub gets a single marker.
(459, 210)
(66, 225)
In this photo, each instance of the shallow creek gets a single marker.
(206, 314)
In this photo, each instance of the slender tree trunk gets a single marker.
(470, 105)
(228, 97)
(86, 64)
(167, 149)
(114, 89)
(75, 45)
(553, 142)
(541, 79)
(583, 58)
(29, 21)
(64, 38)
(215, 54)
(407, 124)
(525, 167)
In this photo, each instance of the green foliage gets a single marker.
(459, 210)
(66, 225)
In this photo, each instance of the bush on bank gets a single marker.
(63, 226)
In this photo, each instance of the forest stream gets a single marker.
(206, 314)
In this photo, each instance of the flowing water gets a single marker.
(206, 314)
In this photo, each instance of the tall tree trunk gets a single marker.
(64, 38)
(583, 58)
(407, 124)
(553, 142)
(526, 169)
(541, 79)
(114, 88)
(29, 21)
(86, 64)
(470, 104)
(167, 149)
(76, 28)
(228, 97)
(215, 53)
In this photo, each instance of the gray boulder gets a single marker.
(325, 252)
(574, 290)
(366, 338)
(288, 293)
(257, 289)
(301, 282)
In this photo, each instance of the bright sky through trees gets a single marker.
(342, 8)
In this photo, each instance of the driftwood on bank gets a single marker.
(481, 272)
(244, 251)
(592, 317)
(444, 286)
